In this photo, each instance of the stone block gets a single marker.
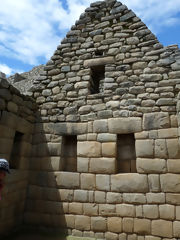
(82, 164)
(173, 147)
(102, 165)
(151, 211)
(100, 197)
(109, 149)
(134, 198)
(89, 149)
(162, 228)
(172, 198)
(152, 238)
(160, 149)
(168, 133)
(142, 226)
(124, 125)
(111, 236)
(75, 208)
(100, 126)
(146, 165)
(155, 198)
(114, 224)
(98, 61)
(98, 224)
(106, 137)
(125, 210)
(129, 182)
(128, 225)
(6, 145)
(107, 209)
(170, 183)
(66, 195)
(88, 181)
(167, 211)
(103, 182)
(69, 220)
(70, 128)
(173, 165)
(80, 196)
(176, 229)
(67, 179)
(154, 182)
(82, 223)
(156, 120)
(145, 148)
(139, 211)
(6, 132)
(141, 135)
(54, 149)
(114, 197)
(90, 209)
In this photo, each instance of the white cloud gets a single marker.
(7, 70)
(31, 29)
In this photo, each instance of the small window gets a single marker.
(69, 153)
(16, 151)
(97, 79)
(126, 155)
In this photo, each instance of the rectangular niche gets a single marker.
(69, 153)
(97, 79)
(126, 154)
(16, 150)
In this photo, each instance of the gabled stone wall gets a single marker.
(16, 119)
(137, 96)
(109, 77)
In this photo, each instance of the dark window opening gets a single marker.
(126, 155)
(16, 151)
(97, 79)
(69, 153)
(98, 53)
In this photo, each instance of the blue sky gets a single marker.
(30, 30)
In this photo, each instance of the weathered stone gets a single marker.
(154, 182)
(132, 40)
(102, 165)
(82, 223)
(103, 182)
(162, 228)
(67, 180)
(88, 181)
(98, 224)
(151, 165)
(100, 197)
(167, 212)
(142, 226)
(145, 148)
(155, 121)
(114, 197)
(89, 149)
(123, 125)
(129, 183)
(151, 211)
(170, 182)
(173, 148)
(98, 61)
(114, 224)
(125, 210)
(100, 126)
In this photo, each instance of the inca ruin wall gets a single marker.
(105, 159)
(16, 128)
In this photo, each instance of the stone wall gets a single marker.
(109, 77)
(16, 129)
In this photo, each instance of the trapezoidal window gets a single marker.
(126, 155)
(16, 151)
(69, 153)
(97, 79)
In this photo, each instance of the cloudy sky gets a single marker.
(30, 30)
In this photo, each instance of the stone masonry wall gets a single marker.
(16, 119)
(138, 95)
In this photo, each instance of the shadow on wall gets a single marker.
(44, 206)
